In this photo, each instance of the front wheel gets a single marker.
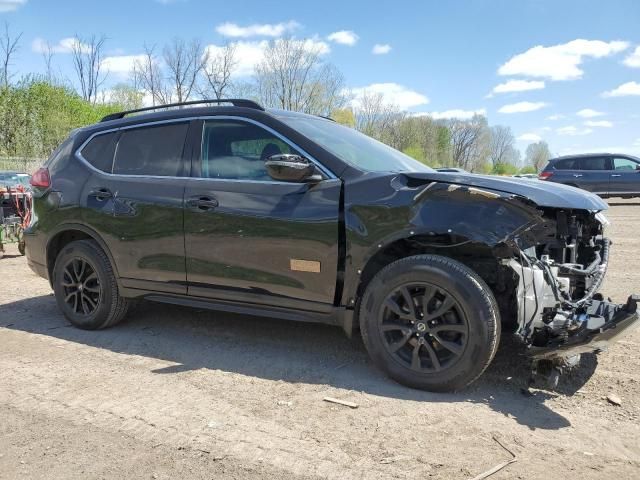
(85, 287)
(430, 322)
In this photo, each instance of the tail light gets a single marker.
(545, 175)
(41, 178)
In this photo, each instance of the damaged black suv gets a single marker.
(233, 207)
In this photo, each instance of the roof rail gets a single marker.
(236, 102)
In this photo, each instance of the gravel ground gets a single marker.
(180, 393)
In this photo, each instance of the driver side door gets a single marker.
(625, 177)
(249, 238)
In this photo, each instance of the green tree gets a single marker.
(344, 116)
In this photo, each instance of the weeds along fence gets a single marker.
(22, 165)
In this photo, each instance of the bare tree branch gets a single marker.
(87, 57)
(9, 47)
(184, 63)
(217, 71)
(293, 76)
(500, 145)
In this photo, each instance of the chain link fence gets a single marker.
(22, 165)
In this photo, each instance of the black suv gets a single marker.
(605, 174)
(274, 213)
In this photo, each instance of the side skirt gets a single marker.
(338, 316)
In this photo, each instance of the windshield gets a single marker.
(353, 147)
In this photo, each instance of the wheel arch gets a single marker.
(479, 255)
(71, 232)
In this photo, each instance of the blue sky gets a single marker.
(571, 68)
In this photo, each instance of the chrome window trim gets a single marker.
(78, 152)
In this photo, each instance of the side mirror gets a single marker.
(286, 167)
(637, 166)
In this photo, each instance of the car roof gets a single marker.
(595, 154)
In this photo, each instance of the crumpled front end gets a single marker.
(559, 310)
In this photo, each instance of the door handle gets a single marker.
(577, 175)
(202, 203)
(616, 175)
(101, 194)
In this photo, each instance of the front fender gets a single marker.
(440, 214)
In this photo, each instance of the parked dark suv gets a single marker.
(274, 213)
(605, 174)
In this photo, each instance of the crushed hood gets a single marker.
(543, 194)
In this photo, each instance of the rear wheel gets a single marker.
(430, 322)
(85, 287)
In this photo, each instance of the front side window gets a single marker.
(99, 151)
(153, 150)
(592, 163)
(624, 164)
(237, 150)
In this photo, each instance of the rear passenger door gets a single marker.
(625, 177)
(134, 201)
(591, 174)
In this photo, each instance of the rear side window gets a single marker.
(153, 150)
(99, 151)
(566, 164)
(592, 163)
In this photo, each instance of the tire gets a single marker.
(463, 338)
(83, 267)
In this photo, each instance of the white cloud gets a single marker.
(529, 137)
(392, 93)
(589, 113)
(624, 90)
(250, 53)
(11, 5)
(121, 64)
(517, 86)
(454, 113)
(633, 60)
(573, 131)
(344, 37)
(381, 49)
(63, 46)
(637, 142)
(554, 117)
(521, 107)
(559, 62)
(599, 123)
(229, 29)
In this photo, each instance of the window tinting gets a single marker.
(566, 164)
(99, 151)
(151, 150)
(237, 150)
(624, 164)
(591, 163)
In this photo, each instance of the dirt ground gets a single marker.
(180, 393)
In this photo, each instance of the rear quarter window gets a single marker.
(99, 151)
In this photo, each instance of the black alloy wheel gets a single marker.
(429, 322)
(86, 286)
(423, 327)
(82, 288)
